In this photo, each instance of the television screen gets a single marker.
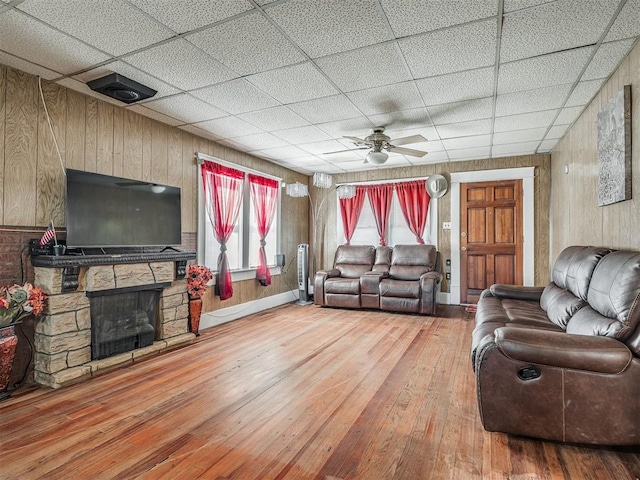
(105, 211)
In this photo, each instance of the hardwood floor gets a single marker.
(291, 393)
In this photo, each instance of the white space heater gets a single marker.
(303, 275)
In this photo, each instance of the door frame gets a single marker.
(526, 174)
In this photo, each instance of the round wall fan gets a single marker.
(379, 143)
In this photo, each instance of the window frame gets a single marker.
(245, 272)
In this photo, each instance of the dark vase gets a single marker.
(8, 344)
(195, 309)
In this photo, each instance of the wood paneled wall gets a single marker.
(100, 137)
(575, 217)
(542, 187)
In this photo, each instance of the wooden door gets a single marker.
(490, 236)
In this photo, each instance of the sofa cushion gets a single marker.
(574, 266)
(383, 259)
(344, 286)
(399, 288)
(352, 261)
(614, 291)
(409, 262)
(560, 304)
(589, 322)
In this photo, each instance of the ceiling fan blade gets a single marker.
(347, 150)
(407, 151)
(357, 140)
(408, 140)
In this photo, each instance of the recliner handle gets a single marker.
(530, 372)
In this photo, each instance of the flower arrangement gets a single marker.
(20, 301)
(197, 280)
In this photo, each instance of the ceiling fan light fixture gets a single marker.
(377, 158)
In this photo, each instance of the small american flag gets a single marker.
(49, 233)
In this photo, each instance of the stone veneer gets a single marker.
(63, 333)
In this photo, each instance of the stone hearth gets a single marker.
(62, 353)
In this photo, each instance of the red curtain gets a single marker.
(414, 203)
(223, 198)
(265, 196)
(380, 200)
(350, 209)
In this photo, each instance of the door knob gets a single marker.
(464, 234)
(463, 248)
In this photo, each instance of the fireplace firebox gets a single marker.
(123, 319)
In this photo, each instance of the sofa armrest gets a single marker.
(318, 284)
(516, 292)
(434, 277)
(563, 350)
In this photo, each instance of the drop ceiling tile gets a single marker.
(352, 127)
(235, 96)
(307, 134)
(547, 145)
(568, 115)
(469, 153)
(432, 157)
(452, 50)
(547, 98)
(330, 26)
(556, 132)
(295, 83)
(326, 109)
(147, 112)
(461, 111)
(626, 24)
(390, 98)
(116, 27)
(525, 148)
(407, 17)
(122, 68)
(332, 169)
(456, 87)
(186, 108)
(28, 67)
(553, 27)
(430, 146)
(524, 121)
(511, 5)
(275, 118)
(227, 127)
(260, 141)
(607, 59)
(401, 120)
(367, 67)
(187, 15)
(200, 132)
(467, 142)
(584, 92)
(465, 129)
(518, 136)
(30, 40)
(283, 153)
(341, 157)
(171, 60)
(247, 45)
(543, 71)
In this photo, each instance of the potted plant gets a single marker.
(197, 278)
(16, 303)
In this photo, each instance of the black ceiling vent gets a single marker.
(121, 88)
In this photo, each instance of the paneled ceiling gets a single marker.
(286, 80)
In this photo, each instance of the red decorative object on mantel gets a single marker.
(197, 279)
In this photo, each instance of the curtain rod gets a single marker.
(380, 182)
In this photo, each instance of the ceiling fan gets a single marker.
(379, 143)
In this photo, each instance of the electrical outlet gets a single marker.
(446, 225)
(448, 276)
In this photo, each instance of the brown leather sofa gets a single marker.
(562, 362)
(399, 279)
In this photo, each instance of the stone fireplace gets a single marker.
(144, 323)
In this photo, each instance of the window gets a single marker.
(244, 243)
(398, 232)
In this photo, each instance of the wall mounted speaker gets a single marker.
(121, 88)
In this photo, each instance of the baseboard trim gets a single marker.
(224, 315)
(444, 298)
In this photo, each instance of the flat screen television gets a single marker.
(106, 211)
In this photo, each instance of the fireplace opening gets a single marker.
(123, 319)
